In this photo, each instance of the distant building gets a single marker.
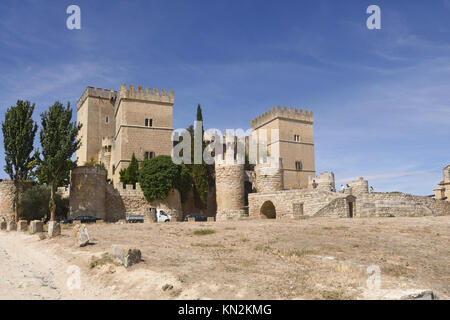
(442, 191)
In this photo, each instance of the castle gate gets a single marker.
(268, 210)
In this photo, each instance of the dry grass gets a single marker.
(204, 232)
(320, 258)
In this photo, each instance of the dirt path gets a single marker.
(30, 271)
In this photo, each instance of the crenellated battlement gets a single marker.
(149, 94)
(282, 112)
(96, 93)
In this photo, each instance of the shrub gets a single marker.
(159, 175)
(34, 204)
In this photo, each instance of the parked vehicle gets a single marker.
(66, 221)
(162, 216)
(197, 216)
(86, 219)
(135, 219)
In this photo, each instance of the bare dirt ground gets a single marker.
(317, 258)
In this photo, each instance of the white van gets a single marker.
(161, 215)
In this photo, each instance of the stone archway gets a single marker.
(351, 207)
(268, 210)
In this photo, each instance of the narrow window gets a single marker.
(146, 155)
(107, 119)
(150, 122)
(298, 165)
(152, 154)
(146, 122)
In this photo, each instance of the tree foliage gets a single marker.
(34, 204)
(59, 142)
(130, 175)
(19, 131)
(159, 175)
(199, 172)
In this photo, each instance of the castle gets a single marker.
(118, 124)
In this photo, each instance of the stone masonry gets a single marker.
(229, 191)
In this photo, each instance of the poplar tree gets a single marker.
(59, 141)
(19, 130)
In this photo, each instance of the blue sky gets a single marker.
(381, 98)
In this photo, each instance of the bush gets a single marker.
(159, 175)
(34, 204)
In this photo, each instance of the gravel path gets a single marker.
(33, 272)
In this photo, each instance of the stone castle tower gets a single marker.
(118, 124)
(294, 143)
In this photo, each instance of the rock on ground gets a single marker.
(81, 235)
(12, 226)
(36, 226)
(125, 256)
(54, 229)
(22, 225)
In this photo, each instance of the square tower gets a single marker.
(295, 142)
(144, 125)
(95, 111)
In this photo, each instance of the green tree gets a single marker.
(159, 175)
(130, 175)
(19, 130)
(199, 172)
(59, 142)
(34, 204)
(199, 114)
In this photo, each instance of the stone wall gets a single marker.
(91, 195)
(292, 203)
(229, 191)
(324, 182)
(134, 202)
(268, 178)
(7, 191)
(88, 192)
(359, 187)
(380, 204)
(287, 202)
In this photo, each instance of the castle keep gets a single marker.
(116, 125)
(294, 144)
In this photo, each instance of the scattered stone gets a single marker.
(100, 221)
(12, 226)
(81, 235)
(22, 225)
(125, 256)
(167, 287)
(42, 236)
(3, 225)
(420, 295)
(211, 219)
(54, 229)
(36, 226)
(191, 219)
